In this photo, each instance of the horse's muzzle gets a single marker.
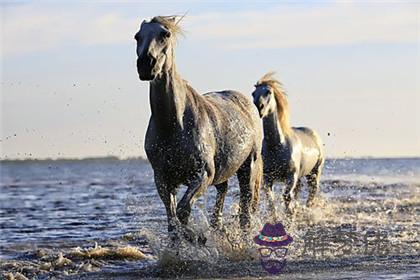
(145, 69)
(260, 108)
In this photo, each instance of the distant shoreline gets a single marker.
(140, 158)
(107, 158)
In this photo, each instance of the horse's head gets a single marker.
(264, 99)
(154, 45)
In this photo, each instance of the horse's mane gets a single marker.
(170, 22)
(280, 95)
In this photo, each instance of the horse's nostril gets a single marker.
(146, 61)
(152, 61)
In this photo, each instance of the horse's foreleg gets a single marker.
(288, 194)
(268, 188)
(167, 194)
(196, 188)
(216, 220)
(183, 210)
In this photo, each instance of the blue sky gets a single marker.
(69, 86)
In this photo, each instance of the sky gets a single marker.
(69, 86)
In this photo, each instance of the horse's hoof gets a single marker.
(173, 237)
(216, 225)
(219, 229)
(175, 242)
(195, 238)
(290, 211)
(201, 239)
(310, 203)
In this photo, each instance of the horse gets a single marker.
(192, 139)
(289, 153)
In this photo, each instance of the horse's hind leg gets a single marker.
(247, 174)
(216, 220)
(313, 183)
(298, 188)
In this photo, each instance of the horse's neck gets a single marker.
(273, 134)
(168, 100)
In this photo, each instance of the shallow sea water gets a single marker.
(103, 219)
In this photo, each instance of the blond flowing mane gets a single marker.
(280, 95)
(170, 22)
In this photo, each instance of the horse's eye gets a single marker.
(165, 34)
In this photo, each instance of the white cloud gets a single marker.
(297, 26)
(37, 27)
(30, 28)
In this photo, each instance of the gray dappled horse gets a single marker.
(192, 139)
(289, 153)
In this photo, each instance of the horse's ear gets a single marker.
(179, 18)
(171, 19)
(143, 22)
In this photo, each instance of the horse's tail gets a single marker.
(258, 180)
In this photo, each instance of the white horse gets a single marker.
(192, 139)
(289, 153)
